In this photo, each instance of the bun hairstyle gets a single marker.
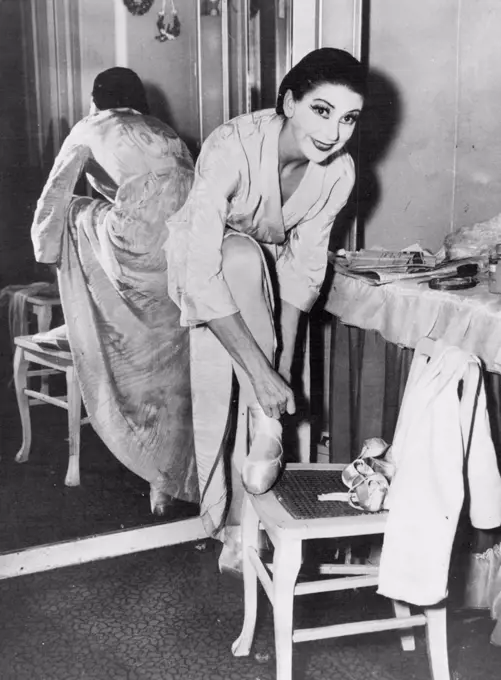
(118, 88)
(325, 65)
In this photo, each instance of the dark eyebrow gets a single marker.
(320, 99)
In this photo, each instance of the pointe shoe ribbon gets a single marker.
(368, 488)
(264, 462)
(368, 477)
(377, 453)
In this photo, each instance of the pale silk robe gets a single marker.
(130, 352)
(237, 187)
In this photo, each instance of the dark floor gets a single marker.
(170, 615)
(35, 505)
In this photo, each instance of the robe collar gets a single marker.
(277, 219)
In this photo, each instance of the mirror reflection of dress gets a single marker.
(131, 354)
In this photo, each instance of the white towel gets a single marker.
(427, 492)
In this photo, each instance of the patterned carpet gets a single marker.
(170, 615)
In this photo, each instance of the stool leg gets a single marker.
(436, 638)
(74, 415)
(286, 564)
(250, 540)
(21, 383)
(44, 320)
(407, 640)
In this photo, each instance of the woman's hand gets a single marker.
(271, 390)
(273, 393)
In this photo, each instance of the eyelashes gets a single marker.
(351, 118)
(324, 112)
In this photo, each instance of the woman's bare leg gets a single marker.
(244, 273)
(245, 276)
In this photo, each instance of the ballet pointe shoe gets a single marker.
(230, 559)
(264, 462)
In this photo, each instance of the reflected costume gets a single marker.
(131, 354)
(236, 191)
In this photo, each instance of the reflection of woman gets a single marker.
(267, 182)
(130, 352)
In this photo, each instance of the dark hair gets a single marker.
(118, 88)
(325, 65)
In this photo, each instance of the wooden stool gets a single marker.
(298, 489)
(54, 361)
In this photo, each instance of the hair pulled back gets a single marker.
(325, 65)
(120, 87)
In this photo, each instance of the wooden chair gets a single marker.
(290, 514)
(53, 361)
(32, 312)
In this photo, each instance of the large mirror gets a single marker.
(227, 59)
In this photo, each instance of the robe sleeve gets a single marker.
(196, 280)
(52, 207)
(302, 263)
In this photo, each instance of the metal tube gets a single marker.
(225, 60)
(198, 72)
(320, 17)
(357, 28)
(246, 10)
(353, 239)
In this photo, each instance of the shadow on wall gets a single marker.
(36, 271)
(49, 151)
(21, 184)
(377, 132)
(159, 107)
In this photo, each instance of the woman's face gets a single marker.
(323, 120)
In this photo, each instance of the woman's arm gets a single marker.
(52, 207)
(272, 392)
(194, 247)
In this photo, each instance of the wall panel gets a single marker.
(413, 50)
(97, 43)
(336, 21)
(304, 28)
(168, 68)
(478, 177)
(18, 145)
